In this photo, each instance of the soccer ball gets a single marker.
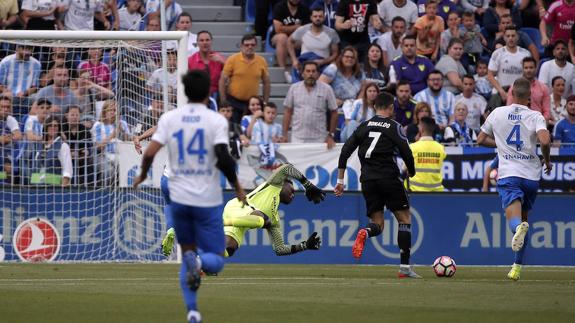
(444, 266)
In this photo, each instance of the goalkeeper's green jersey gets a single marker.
(266, 198)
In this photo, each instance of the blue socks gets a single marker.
(513, 223)
(189, 295)
(211, 263)
(169, 217)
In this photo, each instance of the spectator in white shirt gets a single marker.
(506, 64)
(79, 15)
(390, 42)
(389, 9)
(475, 103)
(558, 66)
(130, 15)
(184, 23)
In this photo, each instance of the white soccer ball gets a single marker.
(444, 266)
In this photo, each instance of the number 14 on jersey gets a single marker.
(195, 146)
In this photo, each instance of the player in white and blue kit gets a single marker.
(515, 130)
(197, 140)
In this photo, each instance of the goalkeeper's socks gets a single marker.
(404, 242)
(513, 223)
(211, 263)
(246, 221)
(189, 295)
(519, 254)
(169, 216)
(373, 230)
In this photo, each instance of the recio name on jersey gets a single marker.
(191, 171)
(191, 119)
(378, 124)
(519, 156)
(515, 117)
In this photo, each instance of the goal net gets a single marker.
(70, 106)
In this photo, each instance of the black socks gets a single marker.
(404, 242)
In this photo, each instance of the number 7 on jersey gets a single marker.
(375, 135)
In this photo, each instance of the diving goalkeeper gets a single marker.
(261, 211)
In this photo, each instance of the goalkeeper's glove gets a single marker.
(314, 194)
(312, 243)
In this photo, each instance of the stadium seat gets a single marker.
(535, 36)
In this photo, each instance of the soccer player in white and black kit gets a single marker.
(378, 140)
(197, 141)
(515, 130)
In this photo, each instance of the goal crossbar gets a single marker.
(180, 36)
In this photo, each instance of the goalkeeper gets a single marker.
(261, 211)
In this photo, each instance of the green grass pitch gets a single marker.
(283, 293)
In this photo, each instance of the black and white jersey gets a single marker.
(380, 141)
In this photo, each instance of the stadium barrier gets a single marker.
(101, 225)
(462, 170)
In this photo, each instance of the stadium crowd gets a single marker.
(452, 61)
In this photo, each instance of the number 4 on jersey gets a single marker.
(514, 137)
(195, 146)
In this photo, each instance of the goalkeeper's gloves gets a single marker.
(314, 194)
(312, 243)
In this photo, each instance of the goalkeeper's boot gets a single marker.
(515, 272)
(407, 272)
(194, 317)
(359, 243)
(194, 269)
(519, 236)
(168, 242)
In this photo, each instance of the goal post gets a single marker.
(180, 36)
(62, 196)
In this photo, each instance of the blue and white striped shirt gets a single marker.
(442, 105)
(263, 133)
(101, 132)
(17, 75)
(34, 125)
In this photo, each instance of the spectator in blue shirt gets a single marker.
(410, 67)
(403, 105)
(565, 129)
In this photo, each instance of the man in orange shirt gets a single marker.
(241, 77)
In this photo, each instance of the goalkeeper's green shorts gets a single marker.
(234, 209)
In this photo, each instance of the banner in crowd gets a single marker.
(463, 169)
(49, 225)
